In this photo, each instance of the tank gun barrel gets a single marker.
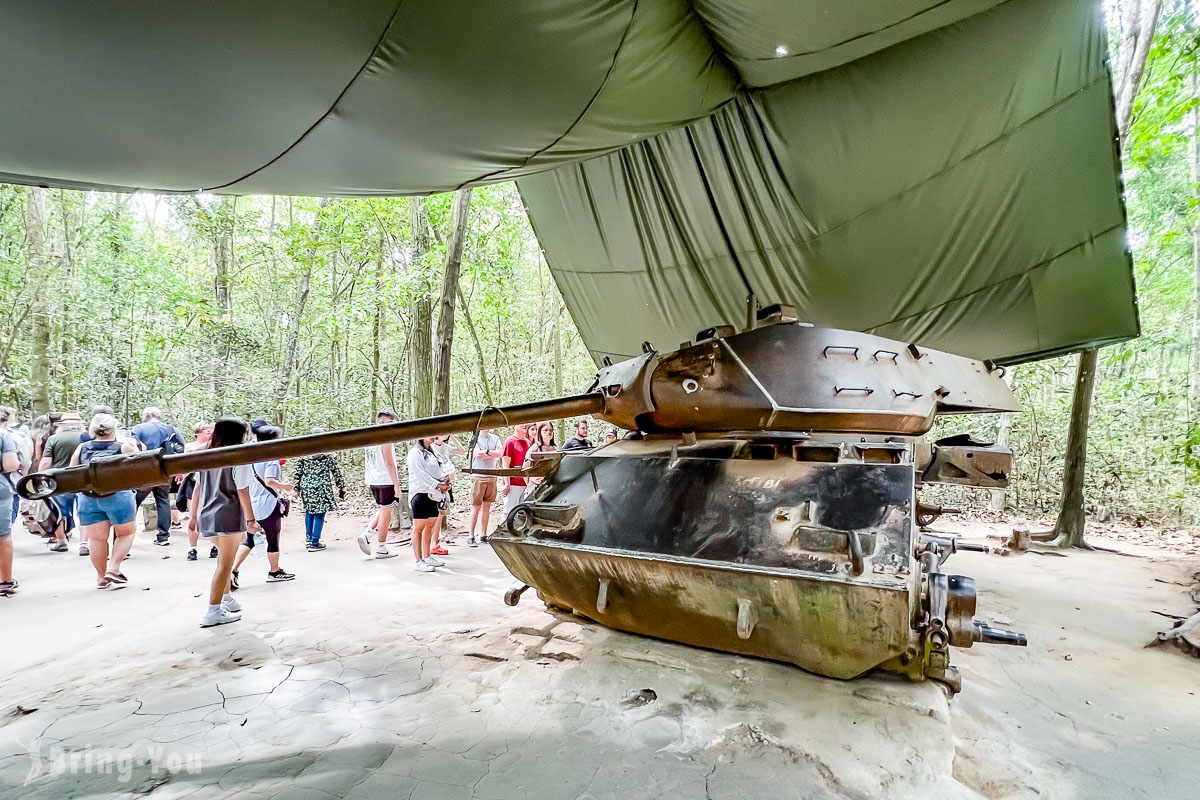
(777, 377)
(142, 470)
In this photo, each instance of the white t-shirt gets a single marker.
(261, 499)
(443, 454)
(489, 441)
(375, 472)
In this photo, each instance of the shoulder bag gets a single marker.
(285, 505)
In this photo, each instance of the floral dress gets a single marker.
(314, 479)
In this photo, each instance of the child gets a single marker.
(222, 513)
(315, 478)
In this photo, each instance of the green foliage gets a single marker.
(137, 319)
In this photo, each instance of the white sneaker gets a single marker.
(421, 566)
(364, 541)
(383, 552)
(219, 616)
(231, 604)
(434, 561)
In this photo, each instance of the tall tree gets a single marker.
(445, 328)
(421, 340)
(288, 369)
(1139, 18)
(1194, 174)
(39, 279)
(222, 258)
(65, 306)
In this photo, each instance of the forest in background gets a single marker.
(315, 311)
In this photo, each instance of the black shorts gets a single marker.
(424, 507)
(384, 495)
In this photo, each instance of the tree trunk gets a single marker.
(116, 255)
(222, 256)
(1194, 161)
(445, 328)
(293, 334)
(39, 279)
(421, 342)
(1139, 19)
(67, 338)
(560, 425)
(376, 333)
(1070, 526)
(483, 378)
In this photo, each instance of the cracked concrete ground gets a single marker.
(367, 680)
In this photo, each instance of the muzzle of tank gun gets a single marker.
(986, 634)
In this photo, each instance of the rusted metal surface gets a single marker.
(792, 377)
(783, 377)
(963, 461)
(706, 545)
(825, 626)
(747, 545)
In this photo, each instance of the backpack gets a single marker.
(93, 450)
(41, 517)
(173, 444)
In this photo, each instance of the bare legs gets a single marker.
(104, 560)
(97, 537)
(242, 552)
(422, 537)
(483, 514)
(382, 521)
(6, 556)
(227, 550)
(122, 544)
(60, 530)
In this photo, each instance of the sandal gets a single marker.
(102, 583)
(116, 580)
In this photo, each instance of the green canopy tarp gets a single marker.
(942, 171)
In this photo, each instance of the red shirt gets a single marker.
(515, 448)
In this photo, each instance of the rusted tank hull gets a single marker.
(825, 626)
(734, 545)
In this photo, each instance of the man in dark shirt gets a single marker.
(579, 441)
(57, 454)
(154, 434)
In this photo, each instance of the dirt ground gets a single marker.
(365, 679)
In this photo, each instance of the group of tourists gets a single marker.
(239, 510)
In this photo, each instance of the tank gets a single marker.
(763, 503)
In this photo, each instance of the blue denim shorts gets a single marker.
(6, 492)
(116, 509)
(66, 503)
